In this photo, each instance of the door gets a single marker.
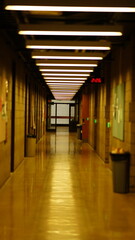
(72, 117)
(51, 116)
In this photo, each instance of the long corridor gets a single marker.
(64, 193)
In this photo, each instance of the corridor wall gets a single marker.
(5, 80)
(122, 73)
(118, 70)
(22, 106)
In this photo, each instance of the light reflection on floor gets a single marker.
(64, 193)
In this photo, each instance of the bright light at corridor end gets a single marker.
(69, 8)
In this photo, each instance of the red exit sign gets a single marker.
(96, 80)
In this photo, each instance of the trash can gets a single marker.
(120, 168)
(30, 145)
(72, 126)
(79, 131)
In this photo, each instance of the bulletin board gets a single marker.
(118, 111)
(3, 108)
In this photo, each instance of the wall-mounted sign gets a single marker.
(118, 111)
(96, 80)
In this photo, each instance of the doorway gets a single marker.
(61, 113)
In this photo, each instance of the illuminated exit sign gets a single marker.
(96, 80)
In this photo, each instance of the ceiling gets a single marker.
(74, 41)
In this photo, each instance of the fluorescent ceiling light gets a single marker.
(62, 98)
(54, 83)
(66, 75)
(67, 57)
(65, 70)
(64, 93)
(68, 47)
(70, 33)
(64, 78)
(76, 81)
(64, 86)
(64, 90)
(69, 8)
(65, 82)
(66, 65)
(63, 102)
(69, 44)
(60, 87)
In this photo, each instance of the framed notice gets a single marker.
(118, 112)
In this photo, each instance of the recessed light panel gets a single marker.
(69, 8)
(70, 33)
(66, 65)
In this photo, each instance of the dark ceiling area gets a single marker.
(11, 21)
(112, 19)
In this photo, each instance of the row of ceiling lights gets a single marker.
(72, 78)
(65, 79)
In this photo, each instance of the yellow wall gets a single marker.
(19, 113)
(5, 147)
(119, 69)
(22, 92)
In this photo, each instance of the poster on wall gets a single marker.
(118, 112)
(3, 109)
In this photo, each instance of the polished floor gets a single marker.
(64, 193)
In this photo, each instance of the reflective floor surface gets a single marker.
(64, 193)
